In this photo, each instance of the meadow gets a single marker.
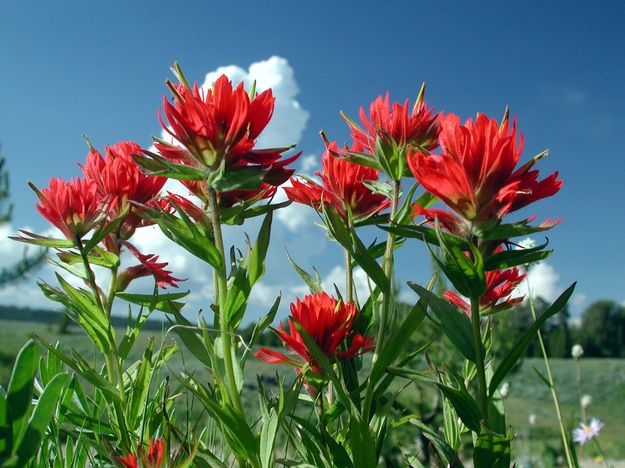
(538, 443)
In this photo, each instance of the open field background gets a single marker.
(603, 379)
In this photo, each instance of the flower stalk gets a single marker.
(220, 293)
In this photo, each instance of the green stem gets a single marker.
(113, 366)
(479, 357)
(349, 277)
(220, 294)
(578, 378)
(552, 387)
(387, 264)
(601, 452)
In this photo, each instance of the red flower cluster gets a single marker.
(220, 126)
(109, 186)
(73, 207)
(341, 187)
(329, 324)
(413, 128)
(475, 174)
(152, 459)
(500, 285)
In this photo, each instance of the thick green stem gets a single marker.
(552, 387)
(479, 357)
(220, 294)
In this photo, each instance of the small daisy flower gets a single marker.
(584, 432)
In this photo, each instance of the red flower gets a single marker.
(475, 174)
(73, 207)
(152, 459)
(413, 128)
(328, 322)
(342, 187)
(149, 266)
(129, 461)
(119, 176)
(500, 285)
(221, 125)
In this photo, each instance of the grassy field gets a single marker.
(604, 379)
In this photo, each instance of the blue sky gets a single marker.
(99, 67)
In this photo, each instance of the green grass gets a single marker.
(604, 379)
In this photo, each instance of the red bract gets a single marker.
(342, 186)
(329, 324)
(129, 461)
(412, 128)
(149, 266)
(152, 459)
(221, 125)
(475, 173)
(500, 285)
(73, 207)
(119, 176)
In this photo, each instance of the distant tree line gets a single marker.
(601, 330)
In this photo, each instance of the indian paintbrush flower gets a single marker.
(73, 207)
(342, 186)
(500, 285)
(329, 323)
(219, 127)
(476, 174)
(153, 458)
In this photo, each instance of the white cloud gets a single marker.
(337, 277)
(289, 118)
(295, 216)
(309, 163)
(543, 282)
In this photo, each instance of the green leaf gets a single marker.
(396, 343)
(519, 346)
(511, 258)
(186, 331)
(20, 390)
(455, 324)
(167, 303)
(156, 165)
(267, 439)
(42, 241)
(45, 408)
(243, 178)
(507, 231)
(262, 325)
(491, 450)
(465, 406)
(141, 387)
(105, 229)
(314, 283)
(425, 234)
(446, 453)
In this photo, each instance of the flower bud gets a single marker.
(585, 401)
(504, 389)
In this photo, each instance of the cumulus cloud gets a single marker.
(542, 280)
(309, 163)
(289, 118)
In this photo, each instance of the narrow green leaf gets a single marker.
(519, 346)
(491, 450)
(20, 390)
(40, 419)
(452, 322)
(314, 283)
